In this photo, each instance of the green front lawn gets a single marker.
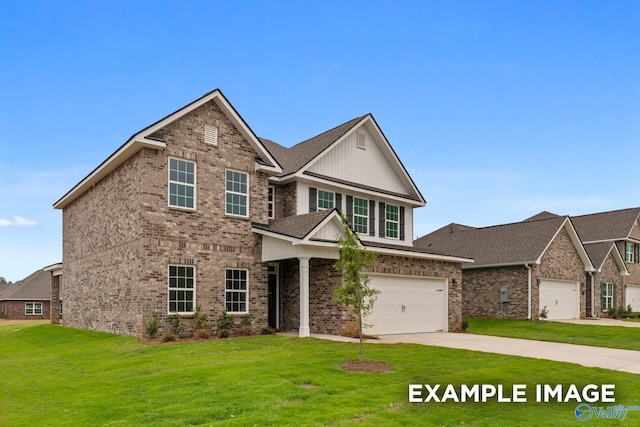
(57, 376)
(597, 336)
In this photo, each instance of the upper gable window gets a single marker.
(392, 221)
(325, 200)
(271, 202)
(182, 183)
(237, 193)
(629, 252)
(360, 215)
(210, 135)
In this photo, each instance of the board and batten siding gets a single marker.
(367, 166)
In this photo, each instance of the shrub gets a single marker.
(224, 322)
(544, 312)
(267, 330)
(176, 324)
(199, 323)
(151, 327)
(245, 325)
(465, 324)
(169, 337)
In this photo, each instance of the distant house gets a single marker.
(520, 269)
(612, 238)
(196, 210)
(28, 299)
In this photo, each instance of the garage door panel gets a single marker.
(407, 305)
(561, 298)
(632, 297)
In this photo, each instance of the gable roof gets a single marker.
(298, 159)
(542, 215)
(151, 137)
(606, 226)
(36, 286)
(298, 226)
(598, 253)
(508, 244)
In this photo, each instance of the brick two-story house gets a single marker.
(196, 210)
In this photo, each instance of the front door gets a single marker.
(273, 296)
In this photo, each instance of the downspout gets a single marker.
(593, 293)
(528, 291)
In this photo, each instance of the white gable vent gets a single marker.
(361, 140)
(210, 135)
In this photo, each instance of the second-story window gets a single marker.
(325, 200)
(236, 194)
(360, 215)
(629, 252)
(271, 199)
(392, 220)
(182, 183)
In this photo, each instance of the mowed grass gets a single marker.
(597, 336)
(57, 376)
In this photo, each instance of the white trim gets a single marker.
(609, 297)
(33, 308)
(246, 290)
(573, 235)
(237, 193)
(194, 185)
(353, 213)
(55, 269)
(419, 255)
(333, 201)
(169, 288)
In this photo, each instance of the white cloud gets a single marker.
(18, 221)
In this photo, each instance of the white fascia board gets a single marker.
(618, 258)
(55, 269)
(577, 243)
(108, 166)
(506, 264)
(410, 254)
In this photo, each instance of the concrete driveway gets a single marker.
(600, 357)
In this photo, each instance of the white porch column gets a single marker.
(304, 298)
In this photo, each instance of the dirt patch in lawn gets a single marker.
(371, 366)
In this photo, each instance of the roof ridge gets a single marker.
(607, 212)
(330, 130)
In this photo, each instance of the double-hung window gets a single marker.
(607, 296)
(182, 286)
(325, 200)
(629, 252)
(33, 308)
(237, 192)
(236, 290)
(182, 183)
(392, 221)
(360, 215)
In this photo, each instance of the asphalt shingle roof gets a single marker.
(36, 286)
(613, 225)
(598, 252)
(501, 244)
(298, 226)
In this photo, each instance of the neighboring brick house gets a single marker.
(618, 233)
(196, 210)
(28, 299)
(519, 268)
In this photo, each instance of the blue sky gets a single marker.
(498, 109)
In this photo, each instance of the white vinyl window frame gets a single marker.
(236, 200)
(271, 202)
(236, 290)
(607, 296)
(392, 222)
(629, 252)
(33, 308)
(182, 183)
(326, 200)
(360, 215)
(181, 296)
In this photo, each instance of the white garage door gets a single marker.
(561, 298)
(408, 305)
(632, 297)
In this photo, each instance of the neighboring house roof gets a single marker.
(598, 253)
(36, 286)
(152, 137)
(507, 244)
(542, 215)
(606, 226)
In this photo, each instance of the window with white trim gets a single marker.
(236, 193)
(236, 289)
(182, 183)
(182, 286)
(33, 308)
(392, 221)
(271, 201)
(607, 296)
(325, 200)
(360, 215)
(629, 252)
